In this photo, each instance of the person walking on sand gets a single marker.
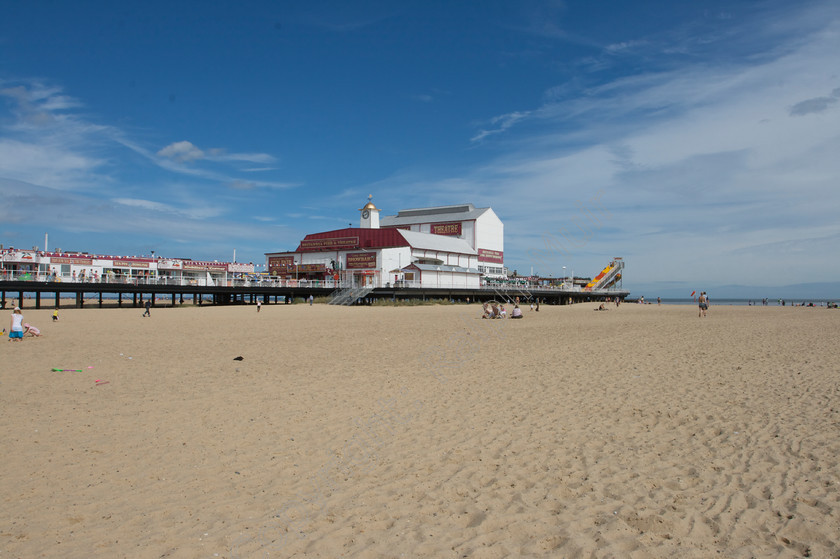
(148, 306)
(16, 326)
(703, 301)
(55, 315)
(259, 305)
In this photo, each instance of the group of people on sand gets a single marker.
(497, 310)
(18, 328)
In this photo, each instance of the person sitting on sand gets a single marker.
(495, 310)
(29, 330)
(502, 311)
(516, 312)
(487, 312)
(601, 307)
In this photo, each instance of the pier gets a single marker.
(87, 294)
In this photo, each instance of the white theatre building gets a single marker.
(432, 247)
(481, 228)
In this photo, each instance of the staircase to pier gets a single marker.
(349, 295)
(509, 296)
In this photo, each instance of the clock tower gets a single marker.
(370, 215)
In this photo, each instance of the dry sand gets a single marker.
(422, 432)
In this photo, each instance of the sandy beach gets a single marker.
(640, 432)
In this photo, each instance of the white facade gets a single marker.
(371, 256)
(481, 228)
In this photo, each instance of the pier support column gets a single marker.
(134, 296)
(20, 299)
(2, 299)
(119, 300)
(37, 299)
(57, 299)
(100, 299)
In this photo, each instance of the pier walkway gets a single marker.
(37, 293)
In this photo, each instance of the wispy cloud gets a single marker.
(501, 123)
(815, 105)
(58, 162)
(185, 152)
(699, 165)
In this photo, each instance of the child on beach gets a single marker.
(16, 327)
(31, 331)
(55, 315)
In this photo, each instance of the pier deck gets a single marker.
(51, 293)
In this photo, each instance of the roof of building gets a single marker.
(443, 268)
(462, 212)
(353, 238)
(442, 243)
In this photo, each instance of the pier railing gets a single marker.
(182, 282)
(509, 288)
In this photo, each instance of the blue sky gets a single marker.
(709, 132)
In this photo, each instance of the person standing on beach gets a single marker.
(16, 326)
(259, 305)
(704, 304)
(148, 306)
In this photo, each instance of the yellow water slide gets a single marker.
(607, 277)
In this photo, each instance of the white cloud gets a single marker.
(705, 170)
(182, 152)
(47, 163)
(145, 205)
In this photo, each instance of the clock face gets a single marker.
(365, 214)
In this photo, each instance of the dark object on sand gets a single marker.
(240, 358)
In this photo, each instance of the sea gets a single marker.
(745, 302)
